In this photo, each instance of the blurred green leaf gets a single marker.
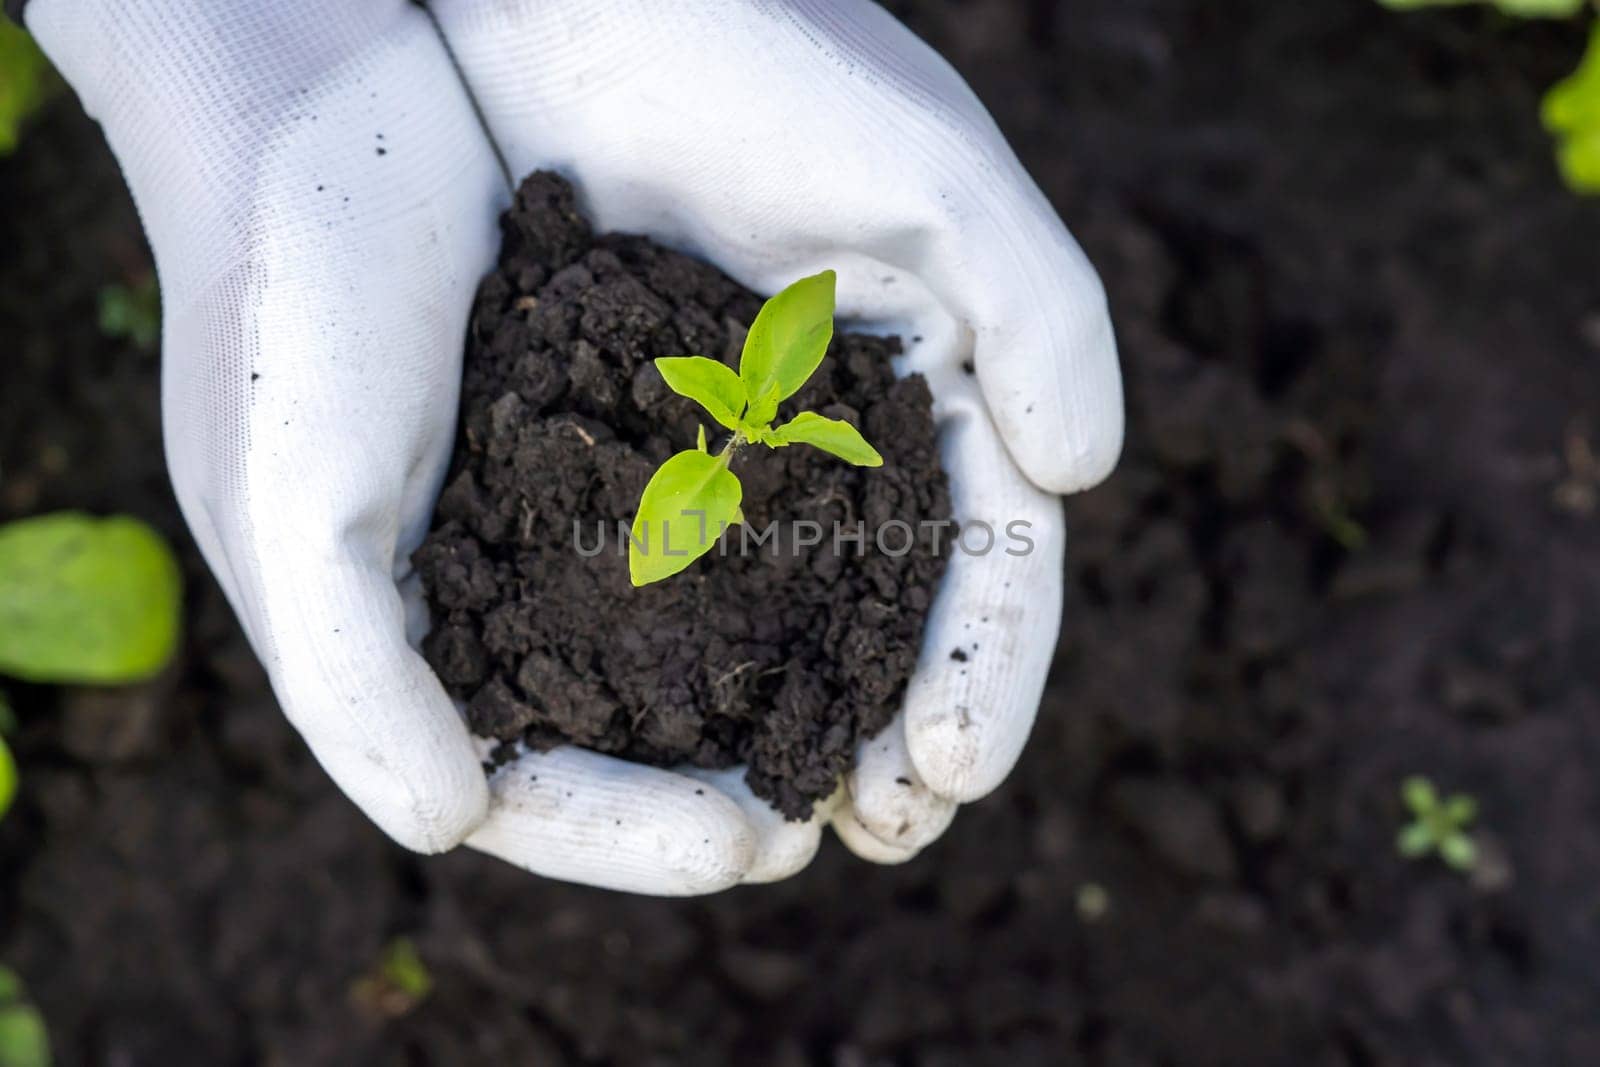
(1415, 840)
(403, 968)
(8, 780)
(25, 81)
(23, 1040)
(1459, 851)
(1527, 9)
(86, 600)
(1571, 112)
(1419, 795)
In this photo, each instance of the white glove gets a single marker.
(321, 201)
(779, 139)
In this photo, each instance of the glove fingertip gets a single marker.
(855, 836)
(1068, 437)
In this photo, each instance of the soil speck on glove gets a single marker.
(782, 657)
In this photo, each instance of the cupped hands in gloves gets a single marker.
(320, 197)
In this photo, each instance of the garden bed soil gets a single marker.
(1353, 536)
(782, 656)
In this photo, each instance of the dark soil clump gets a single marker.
(782, 656)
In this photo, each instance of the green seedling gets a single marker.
(397, 983)
(1438, 825)
(132, 312)
(693, 497)
(23, 1041)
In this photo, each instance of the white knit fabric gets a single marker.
(321, 199)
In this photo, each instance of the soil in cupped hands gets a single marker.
(781, 655)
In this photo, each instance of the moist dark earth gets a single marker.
(1353, 537)
(780, 656)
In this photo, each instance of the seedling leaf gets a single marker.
(86, 600)
(1459, 851)
(833, 436)
(1415, 840)
(1419, 795)
(787, 341)
(1460, 809)
(685, 507)
(403, 968)
(712, 385)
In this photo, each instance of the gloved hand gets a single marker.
(321, 199)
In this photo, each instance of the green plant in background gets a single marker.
(693, 497)
(132, 312)
(1521, 8)
(1571, 108)
(8, 778)
(25, 81)
(8, 766)
(82, 601)
(403, 968)
(23, 1041)
(86, 600)
(1438, 825)
(1571, 112)
(396, 984)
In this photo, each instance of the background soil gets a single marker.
(1353, 537)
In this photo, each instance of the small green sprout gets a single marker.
(693, 497)
(397, 983)
(132, 312)
(1438, 824)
